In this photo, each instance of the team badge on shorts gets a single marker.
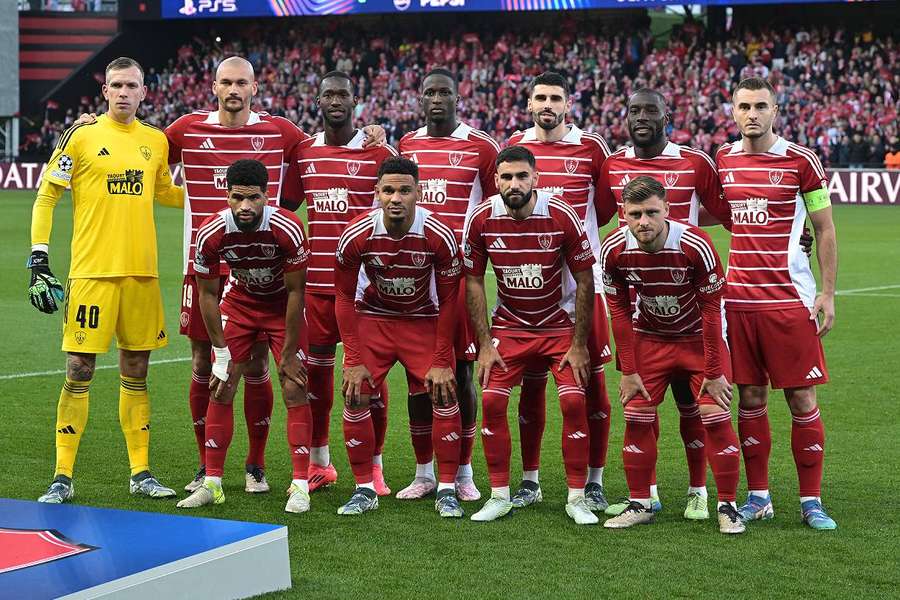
(185, 319)
(353, 167)
(544, 240)
(776, 176)
(418, 259)
(678, 275)
(671, 179)
(571, 165)
(80, 336)
(257, 142)
(455, 158)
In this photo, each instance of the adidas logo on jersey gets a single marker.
(207, 144)
(750, 441)
(696, 445)
(632, 449)
(728, 451)
(814, 373)
(578, 435)
(451, 437)
(633, 277)
(498, 243)
(103, 152)
(729, 178)
(353, 443)
(814, 448)
(311, 169)
(625, 180)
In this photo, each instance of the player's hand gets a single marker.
(375, 136)
(224, 377)
(488, 356)
(806, 242)
(579, 359)
(441, 385)
(291, 367)
(719, 389)
(824, 304)
(351, 386)
(631, 386)
(44, 291)
(85, 119)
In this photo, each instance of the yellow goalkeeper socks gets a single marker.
(71, 419)
(134, 417)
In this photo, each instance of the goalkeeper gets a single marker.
(115, 167)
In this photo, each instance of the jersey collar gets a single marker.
(573, 136)
(213, 118)
(671, 149)
(461, 132)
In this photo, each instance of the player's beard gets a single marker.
(548, 126)
(518, 201)
(231, 106)
(247, 226)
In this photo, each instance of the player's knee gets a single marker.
(753, 396)
(801, 400)
(681, 391)
(710, 409)
(257, 366)
(80, 367)
(201, 362)
(640, 406)
(322, 350)
(134, 364)
(294, 395)
(494, 404)
(419, 407)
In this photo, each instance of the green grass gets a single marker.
(404, 550)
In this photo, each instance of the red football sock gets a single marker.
(655, 437)
(575, 440)
(219, 431)
(693, 435)
(446, 439)
(723, 450)
(639, 452)
(467, 443)
(532, 418)
(378, 405)
(198, 396)
(420, 434)
(320, 378)
(299, 434)
(258, 413)
(808, 446)
(359, 437)
(756, 444)
(598, 411)
(495, 435)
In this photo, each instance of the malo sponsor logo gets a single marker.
(555, 191)
(253, 276)
(333, 200)
(661, 306)
(752, 211)
(434, 191)
(397, 286)
(219, 179)
(129, 183)
(526, 277)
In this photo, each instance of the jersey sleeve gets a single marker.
(209, 244)
(175, 136)
(346, 274)
(293, 135)
(709, 190)
(604, 200)
(167, 193)
(575, 245)
(709, 286)
(813, 183)
(293, 243)
(447, 271)
(487, 169)
(619, 301)
(474, 251)
(292, 192)
(65, 161)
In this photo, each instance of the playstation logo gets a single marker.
(188, 8)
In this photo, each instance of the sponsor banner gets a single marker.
(845, 186)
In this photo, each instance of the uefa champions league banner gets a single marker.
(195, 9)
(846, 186)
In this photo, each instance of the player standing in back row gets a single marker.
(456, 172)
(771, 304)
(568, 160)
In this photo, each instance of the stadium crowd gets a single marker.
(839, 91)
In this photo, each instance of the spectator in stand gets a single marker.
(859, 152)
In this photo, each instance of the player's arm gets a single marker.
(826, 254)
(474, 266)
(292, 186)
(709, 285)
(604, 200)
(225, 376)
(488, 168)
(375, 136)
(441, 379)
(346, 274)
(714, 209)
(167, 193)
(291, 367)
(578, 356)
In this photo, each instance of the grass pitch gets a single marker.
(405, 550)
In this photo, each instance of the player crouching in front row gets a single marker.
(397, 280)
(676, 331)
(267, 252)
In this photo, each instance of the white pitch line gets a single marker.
(871, 295)
(869, 289)
(97, 368)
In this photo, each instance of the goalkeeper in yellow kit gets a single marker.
(115, 167)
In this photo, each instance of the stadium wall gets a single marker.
(846, 186)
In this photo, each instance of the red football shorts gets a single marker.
(661, 361)
(780, 346)
(320, 320)
(244, 325)
(386, 341)
(536, 353)
(191, 322)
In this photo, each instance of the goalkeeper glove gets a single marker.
(45, 290)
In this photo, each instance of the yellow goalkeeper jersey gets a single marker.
(114, 171)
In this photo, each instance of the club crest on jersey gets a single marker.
(353, 167)
(678, 275)
(671, 179)
(775, 176)
(545, 239)
(145, 152)
(257, 142)
(455, 158)
(269, 250)
(661, 306)
(526, 277)
(418, 259)
(752, 211)
(571, 165)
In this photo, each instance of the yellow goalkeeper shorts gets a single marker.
(129, 308)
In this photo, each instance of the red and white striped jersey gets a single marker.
(257, 259)
(455, 173)
(767, 268)
(679, 290)
(206, 149)
(570, 169)
(416, 276)
(688, 175)
(533, 260)
(338, 184)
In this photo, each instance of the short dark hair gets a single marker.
(398, 165)
(649, 92)
(445, 73)
(335, 75)
(247, 172)
(515, 154)
(754, 83)
(642, 188)
(549, 78)
(121, 63)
